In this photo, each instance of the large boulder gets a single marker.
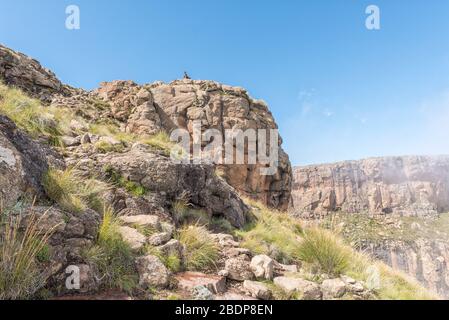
(307, 290)
(263, 267)
(23, 163)
(333, 288)
(257, 290)
(239, 268)
(158, 173)
(190, 280)
(152, 272)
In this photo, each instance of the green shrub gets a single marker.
(20, 249)
(44, 254)
(201, 250)
(34, 118)
(323, 252)
(112, 257)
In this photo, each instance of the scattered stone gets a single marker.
(85, 139)
(131, 236)
(223, 273)
(225, 240)
(257, 290)
(70, 141)
(144, 221)
(152, 272)
(109, 140)
(202, 293)
(233, 294)
(282, 269)
(239, 268)
(263, 267)
(307, 289)
(159, 239)
(172, 247)
(333, 288)
(347, 280)
(190, 280)
(88, 282)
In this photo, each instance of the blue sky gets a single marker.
(337, 90)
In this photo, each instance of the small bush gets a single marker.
(323, 250)
(201, 250)
(71, 192)
(112, 257)
(20, 250)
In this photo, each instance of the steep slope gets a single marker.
(89, 192)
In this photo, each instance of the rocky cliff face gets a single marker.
(390, 207)
(412, 186)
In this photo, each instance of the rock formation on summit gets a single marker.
(150, 108)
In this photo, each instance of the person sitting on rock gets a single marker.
(186, 76)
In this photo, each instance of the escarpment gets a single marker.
(411, 186)
(394, 208)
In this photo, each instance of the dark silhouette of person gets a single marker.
(186, 76)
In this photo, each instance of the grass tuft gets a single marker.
(325, 252)
(21, 250)
(71, 192)
(272, 233)
(112, 257)
(201, 250)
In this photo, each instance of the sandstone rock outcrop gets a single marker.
(150, 108)
(411, 186)
(19, 70)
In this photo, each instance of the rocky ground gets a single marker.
(87, 183)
